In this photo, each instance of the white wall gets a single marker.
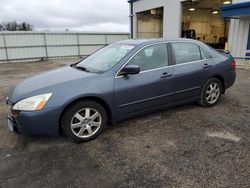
(37, 45)
(171, 17)
(238, 35)
(240, 1)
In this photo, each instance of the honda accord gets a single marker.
(122, 80)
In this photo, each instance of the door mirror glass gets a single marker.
(129, 69)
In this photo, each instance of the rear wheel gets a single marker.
(84, 121)
(211, 92)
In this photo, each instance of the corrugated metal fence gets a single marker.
(15, 46)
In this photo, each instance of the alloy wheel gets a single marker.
(212, 92)
(86, 122)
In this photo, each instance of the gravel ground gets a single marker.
(186, 146)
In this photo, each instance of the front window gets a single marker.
(152, 57)
(106, 58)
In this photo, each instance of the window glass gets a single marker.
(105, 58)
(204, 55)
(186, 52)
(151, 57)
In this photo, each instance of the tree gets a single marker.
(26, 27)
(2, 27)
(14, 26)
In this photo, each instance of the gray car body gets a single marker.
(122, 96)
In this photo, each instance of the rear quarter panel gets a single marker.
(224, 69)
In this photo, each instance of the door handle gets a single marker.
(165, 74)
(205, 66)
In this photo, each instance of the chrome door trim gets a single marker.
(166, 42)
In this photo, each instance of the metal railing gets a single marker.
(16, 46)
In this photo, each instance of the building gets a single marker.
(219, 23)
(239, 30)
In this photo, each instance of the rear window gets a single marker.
(186, 52)
(204, 54)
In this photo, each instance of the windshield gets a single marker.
(106, 58)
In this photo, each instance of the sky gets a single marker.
(75, 15)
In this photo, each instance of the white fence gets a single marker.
(15, 46)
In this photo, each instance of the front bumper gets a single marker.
(11, 124)
(43, 122)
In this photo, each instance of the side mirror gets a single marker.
(130, 69)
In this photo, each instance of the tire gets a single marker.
(211, 93)
(84, 121)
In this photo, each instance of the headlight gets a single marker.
(32, 103)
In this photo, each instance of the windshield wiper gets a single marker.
(81, 68)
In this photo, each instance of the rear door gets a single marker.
(152, 87)
(192, 68)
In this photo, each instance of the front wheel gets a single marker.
(211, 92)
(84, 121)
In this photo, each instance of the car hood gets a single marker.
(45, 82)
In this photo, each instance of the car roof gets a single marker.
(144, 42)
(149, 41)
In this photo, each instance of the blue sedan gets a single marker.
(120, 81)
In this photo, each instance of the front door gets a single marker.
(150, 88)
